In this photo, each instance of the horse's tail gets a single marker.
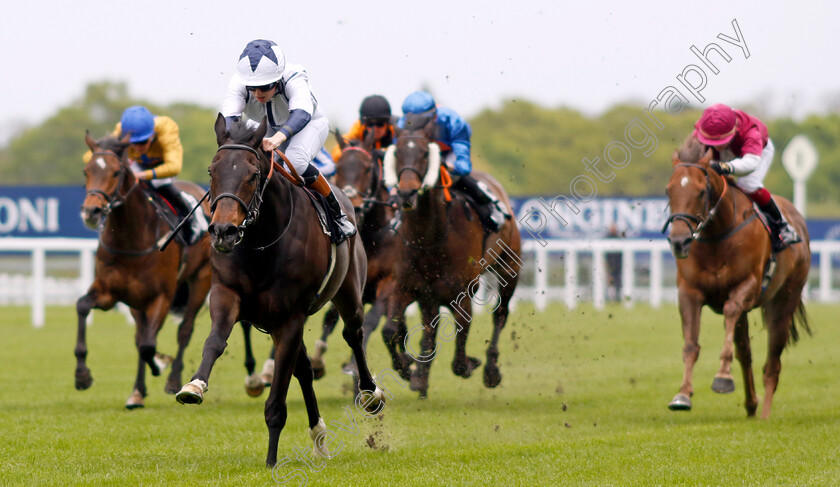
(801, 317)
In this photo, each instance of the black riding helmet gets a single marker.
(374, 108)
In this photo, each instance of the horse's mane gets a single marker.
(239, 132)
(692, 150)
(112, 143)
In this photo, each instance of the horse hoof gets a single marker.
(418, 383)
(350, 369)
(465, 370)
(402, 364)
(267, 373)
(163, 361)
(492, 376)
(723, 385)
(192, 392)
(135, 400)
(681, 402)
(373, 402)
(254, 385)
(172, 386)
(83, 380)
(318, 373)
(424, 394)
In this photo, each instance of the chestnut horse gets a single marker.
(443, 252)
(129, 267)
(359, 175)
(723, 251)
(273, 266)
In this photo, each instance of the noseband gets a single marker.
(709, 213)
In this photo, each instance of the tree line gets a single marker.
(529, 148)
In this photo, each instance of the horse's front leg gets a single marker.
(428, 348)
(93, 298)
(462, 365)
(690, 302)
(739, 303)
(224, 312)
(288, 341)
(394, 332)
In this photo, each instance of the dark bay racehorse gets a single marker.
(273, 266)
(359, 175)
(443, 252)
(129, 267)
(722, 252)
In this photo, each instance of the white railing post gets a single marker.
(825, 275)
(598, 277)
(541, 272)
(571, 277)
(627, 276)
(655, 277)
(39, 270)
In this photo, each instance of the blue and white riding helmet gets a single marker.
(261, 63)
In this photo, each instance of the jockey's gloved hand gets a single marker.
(721, 168)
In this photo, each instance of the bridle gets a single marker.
(709, 211)
(115, 198)
(252, 208)
(369, 198)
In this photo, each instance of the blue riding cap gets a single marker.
(418, 102)
(139, 122)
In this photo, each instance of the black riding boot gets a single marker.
(783, 234)
(490, 211)
(193, 228)
(321, 185)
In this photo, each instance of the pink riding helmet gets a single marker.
(716, 126)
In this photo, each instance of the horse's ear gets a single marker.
(675, 157)
(429, 129)
(221, 130)
(89, 141)
(397, 133)
(707, 157)
(258, 136)
(369, 141)
(342, 143)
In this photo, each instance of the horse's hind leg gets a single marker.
(738, 304)
(348, 302)
(492, 375)
(254, 384)
(779, 316)
(744, 354)
(198, 290)
(371, 321)
(330, 320)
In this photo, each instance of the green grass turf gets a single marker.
(582, 402)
